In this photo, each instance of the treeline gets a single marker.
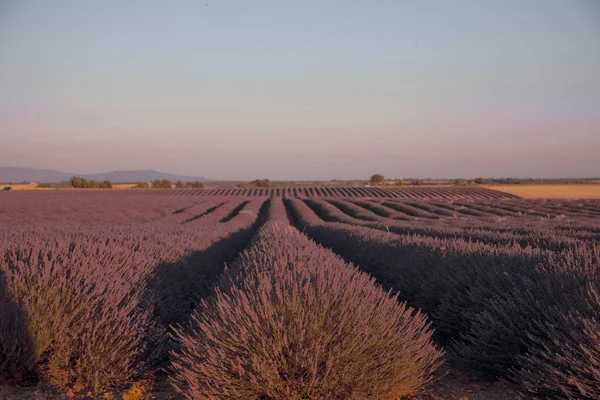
(519, 181)
(541, 181)
(166, 184)
(189, 185)
(81, 183)
(379, 179)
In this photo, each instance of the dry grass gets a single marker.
(123, 185)
(551, 191)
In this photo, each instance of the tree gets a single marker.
(377, 179)
(190, 185)
(142, 185)
(78, 182)
(483, 181)
(161, 184)
(258, 183)
(81, 183)
(194, 185)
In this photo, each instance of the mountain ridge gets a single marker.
(41, 175)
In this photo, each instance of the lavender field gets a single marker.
(312, 293)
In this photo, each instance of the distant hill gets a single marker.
(14, 175)
(141, 175)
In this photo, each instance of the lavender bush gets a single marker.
(296, 322)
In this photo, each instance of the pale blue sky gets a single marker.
(302, 90)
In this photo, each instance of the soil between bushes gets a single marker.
(450, 387)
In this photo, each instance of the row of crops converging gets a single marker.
(291, 298)
(442, 192)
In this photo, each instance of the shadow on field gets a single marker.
(176, 288)
(17, 356)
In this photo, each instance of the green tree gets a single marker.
(376, 179)
(161, 184)
(78, 182)
(483, 181)
(194, 185)
(259, 183)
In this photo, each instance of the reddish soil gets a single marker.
(450, 387)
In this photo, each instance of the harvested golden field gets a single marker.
(551, 191)
(123, 185)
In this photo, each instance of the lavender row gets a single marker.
(292, 320)
(351, 192)
(542, 235)
(91, 305)
(529, 316)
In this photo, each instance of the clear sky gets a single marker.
(302, 89)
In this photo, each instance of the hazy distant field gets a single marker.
(556, 191)
(551, 191)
